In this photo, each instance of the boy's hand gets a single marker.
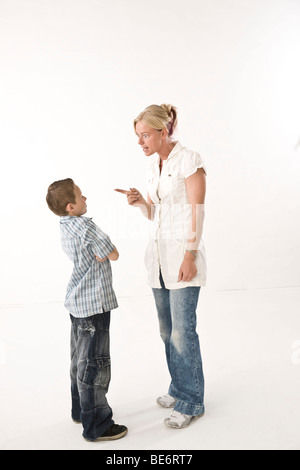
(99, 259)
(113, 256)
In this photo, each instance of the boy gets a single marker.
(89, 299)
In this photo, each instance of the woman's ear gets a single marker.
(164, 133)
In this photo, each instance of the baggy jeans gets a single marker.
(176, 310)
(90, 373)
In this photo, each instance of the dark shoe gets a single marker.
(116, 431)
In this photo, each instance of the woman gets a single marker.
(175, 256)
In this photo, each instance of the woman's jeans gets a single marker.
(177, 321)
(90, 373)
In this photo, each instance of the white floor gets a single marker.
(250, 343)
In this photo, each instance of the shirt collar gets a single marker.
(66, 218)
(173, 152)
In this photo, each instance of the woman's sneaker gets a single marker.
(179, 420)
(116, 431)
(166, 401)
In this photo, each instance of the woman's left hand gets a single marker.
(188, 269)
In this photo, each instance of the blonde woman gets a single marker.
(175, 256)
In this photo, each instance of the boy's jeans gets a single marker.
(90, 373)
(177, 321)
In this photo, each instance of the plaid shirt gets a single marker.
(90, 288)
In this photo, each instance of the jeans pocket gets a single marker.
(97, 372)
(85, 329)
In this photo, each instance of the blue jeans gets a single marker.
(90, 373)
(177, 321)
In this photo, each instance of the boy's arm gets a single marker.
(113, 256)
(99, 243)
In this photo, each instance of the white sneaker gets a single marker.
(179, 420)
(166, 401)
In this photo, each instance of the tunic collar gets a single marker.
(173, 152)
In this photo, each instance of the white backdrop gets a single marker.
(75, 73)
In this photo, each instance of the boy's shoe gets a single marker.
(166, 401)
(179, 420)
(116, 431)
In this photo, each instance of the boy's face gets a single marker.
(80, 207)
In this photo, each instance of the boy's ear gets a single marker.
(69, 207)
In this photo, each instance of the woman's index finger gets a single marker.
(123, 191)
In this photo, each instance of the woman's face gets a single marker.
(148, 138)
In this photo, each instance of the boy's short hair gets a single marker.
(59, 195)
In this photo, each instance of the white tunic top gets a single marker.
(172, 218)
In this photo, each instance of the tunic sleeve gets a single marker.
(191, 162)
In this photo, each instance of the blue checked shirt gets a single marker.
(90, 288)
